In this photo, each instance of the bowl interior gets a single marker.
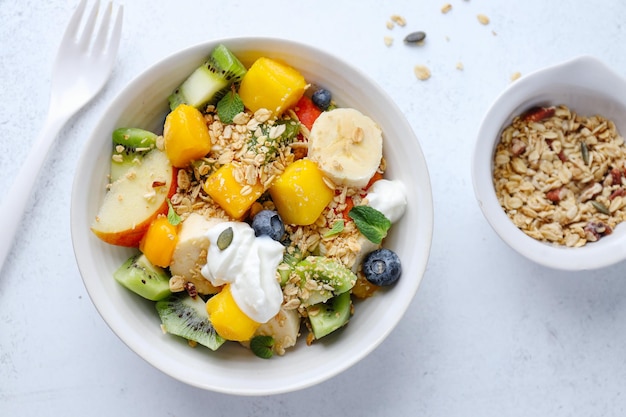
(587, 87)
(233, 369)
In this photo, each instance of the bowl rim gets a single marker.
(577, 72)
(124, 332)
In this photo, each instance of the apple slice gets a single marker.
(135, 199)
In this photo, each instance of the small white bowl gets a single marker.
(233, 369)
(588, 87)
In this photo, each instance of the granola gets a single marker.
(561, 177)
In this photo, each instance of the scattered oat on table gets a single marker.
(483, 19)
(561, 177)
(422, 72)
(388, 40)
(446, 8)
(515, 76)
(398, 20)
(390, 25)
(459, 66)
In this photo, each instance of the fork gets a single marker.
(83, 65)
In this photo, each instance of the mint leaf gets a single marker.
(172, 216)
(229, 106)
(371, 223)
(261, 346)
(336, 229)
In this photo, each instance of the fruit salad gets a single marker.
(260, 213)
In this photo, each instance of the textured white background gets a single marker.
(488, 334)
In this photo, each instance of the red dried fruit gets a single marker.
(616, 176)
(595, 230)
(537, 114)
(555, 195)
(620, 192)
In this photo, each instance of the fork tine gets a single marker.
(103, 32)
(85, 38)
(72, 27)
(116, 35)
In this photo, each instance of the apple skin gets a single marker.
(129, 235)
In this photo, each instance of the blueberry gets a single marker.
(321, 98)
(382, 267)
(268, 223)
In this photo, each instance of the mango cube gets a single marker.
(300, 193)
(159, 242)
(185, 136)
(271, 85)
(227, 318)
(235, 198)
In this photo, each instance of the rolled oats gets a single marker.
(560, 176)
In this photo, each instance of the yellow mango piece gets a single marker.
(235, 198)
(271, 85)
(300, 193)
(159, 242)
(227, 318)
(185, 136)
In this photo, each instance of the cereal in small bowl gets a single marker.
(549, 167)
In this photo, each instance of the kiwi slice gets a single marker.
(327, 271)
(209, 82)
(134, 138)
(327, 317)
(130, 144)
(186, 316)
(139, 275)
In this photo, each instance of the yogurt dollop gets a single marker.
(249, 265)
(388, 197)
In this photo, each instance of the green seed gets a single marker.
(585, 152)
(225, 238)
(600, 207)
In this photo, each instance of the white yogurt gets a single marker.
(388, 197)
(249, 265)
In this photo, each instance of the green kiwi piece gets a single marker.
(186, 316)
(130, 144)
(209, 82)
(328, 271)
(135, 139)
(139, 275)
(288, 265)
(327, 317)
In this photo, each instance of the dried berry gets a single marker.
(537, 114)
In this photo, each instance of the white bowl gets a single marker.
(233, 369)
(588, 87)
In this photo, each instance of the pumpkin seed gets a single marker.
(600, 207)
(585, 152)
(225, 238)
(415, 37)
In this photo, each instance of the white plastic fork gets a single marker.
(83, 65)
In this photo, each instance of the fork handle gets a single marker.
(14, 203)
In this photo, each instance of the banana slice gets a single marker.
(347, 146)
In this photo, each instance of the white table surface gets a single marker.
(489, 333)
